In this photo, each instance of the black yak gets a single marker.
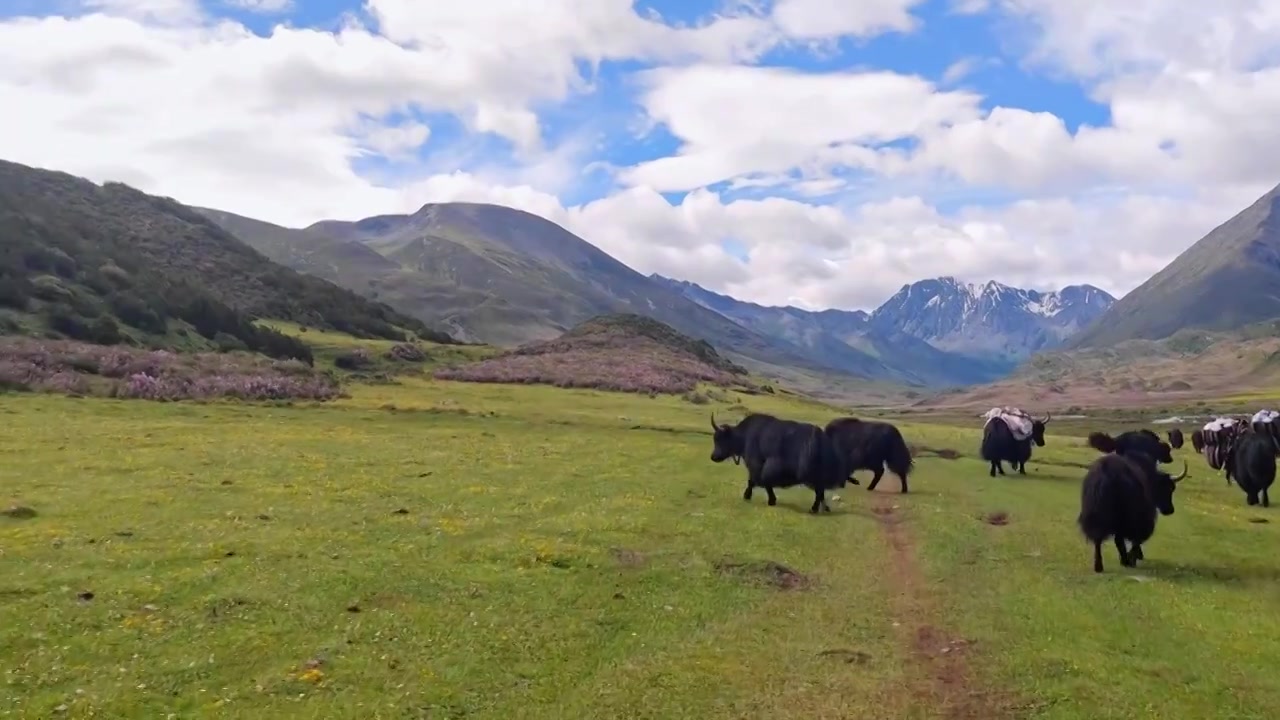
(1252, 462)
(1175, 439)
(871, 445)
(1119, 499)
(781, 453)
(1000, 445)
(1143, 441)
(1197, 441)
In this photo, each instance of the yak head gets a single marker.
(1163, 486)
(1037, 430)
(728, 443)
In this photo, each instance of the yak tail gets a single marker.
(1102, 442)
(898, 455)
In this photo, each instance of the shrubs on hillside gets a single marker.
(604, 362)
(81, 369)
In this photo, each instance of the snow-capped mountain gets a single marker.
(936, 332)
(991, 320)
(843, 339)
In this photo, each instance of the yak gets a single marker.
(1143, 441)
(1175, 439)
(999, 445)
(1197, 441)
(871, 445)
(1252, 462)
(1119, 499)
(781, 453)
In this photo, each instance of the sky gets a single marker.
(805, 152)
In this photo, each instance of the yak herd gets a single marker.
(1123, 493)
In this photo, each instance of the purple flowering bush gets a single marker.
(73, 368)
(625, 364)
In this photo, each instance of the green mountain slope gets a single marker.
(504, 276)
(106, 263)
(1227, 280)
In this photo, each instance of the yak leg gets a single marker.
(818, 501)
(1266, 500)
(1022, 467)
(1135, 552)
(754, 473)
(1125, 559)
(768, 478)
(876, 480)
(1097, 557)
(999, 466)
(903, 482)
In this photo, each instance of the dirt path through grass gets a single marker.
(943, 685)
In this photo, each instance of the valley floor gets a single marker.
(449, 550)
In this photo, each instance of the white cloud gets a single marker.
(735, 120)
(156, 94)
(262, 6)
(823, 19)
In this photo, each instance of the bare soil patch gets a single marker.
(765, 572)
(997, 518)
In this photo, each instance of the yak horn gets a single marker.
(1045, 421)
(1184, 472)
(713, 420)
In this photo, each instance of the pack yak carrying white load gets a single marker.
(1018, 421)
(1218, 436)
(1265, 423)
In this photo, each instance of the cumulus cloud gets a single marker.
(301, 124)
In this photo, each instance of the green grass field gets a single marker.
(442, 550)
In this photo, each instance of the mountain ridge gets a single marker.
(1228, 279)
(918, 325)
(504, 276)
(109, 263)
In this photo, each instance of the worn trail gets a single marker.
(943, 685)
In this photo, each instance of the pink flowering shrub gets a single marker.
(73, 368)
(633, 364)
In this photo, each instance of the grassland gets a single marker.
(429, 549)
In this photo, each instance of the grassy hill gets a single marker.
(503, 276)
(111, 264)
(627, 352)
(1228, 279)
(1189, 366)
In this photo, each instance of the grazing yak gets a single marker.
(1143, 441)
(1175, 439)
(1007, 437)
(1252, 462)
(781, 453)
(1119, 499)
(871, 445)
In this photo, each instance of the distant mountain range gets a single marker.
(941, 331)
(498, 275)
(503, 276)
